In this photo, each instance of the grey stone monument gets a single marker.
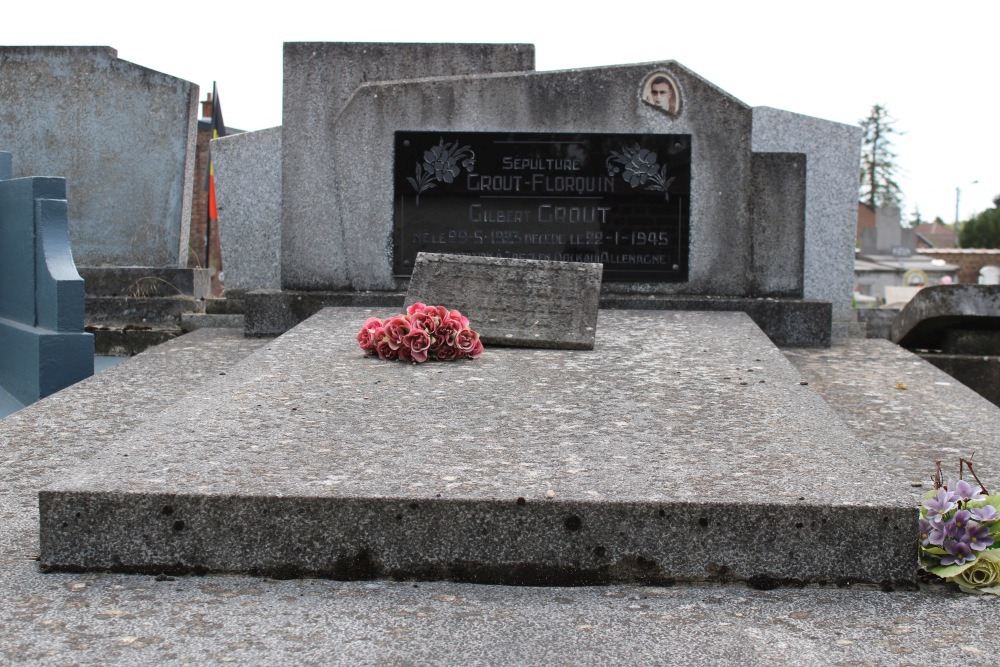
(768, 217)
(122, 135)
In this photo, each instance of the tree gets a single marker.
(878, 161)
(916, 219)
(982, 231)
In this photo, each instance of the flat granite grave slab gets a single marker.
(683, 447)
(516, 302)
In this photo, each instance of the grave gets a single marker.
(956, 328)
(525, 466)
(74, 617)
(565, 466)
(82, 113)
(249, 204)
(43, 347)
(764, 199)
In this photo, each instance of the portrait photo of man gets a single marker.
(660, 90)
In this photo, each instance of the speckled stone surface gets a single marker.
(102, 619)
(310, 459)
(906, 412)
(248, 187)
(516, 302)
(832, 151)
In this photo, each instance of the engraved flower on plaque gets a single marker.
(638, 167)
(442, 164)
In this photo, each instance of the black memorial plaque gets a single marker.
(619, 199)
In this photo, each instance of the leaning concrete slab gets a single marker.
(515, 302)
(284, 471)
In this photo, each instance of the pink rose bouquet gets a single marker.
(424, 332)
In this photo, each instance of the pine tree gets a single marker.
(878, 161)
(983, 230)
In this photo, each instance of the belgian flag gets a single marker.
(218, 130)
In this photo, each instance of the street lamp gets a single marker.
(958, 198)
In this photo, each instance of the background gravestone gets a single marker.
(248, 191)
(122, 135)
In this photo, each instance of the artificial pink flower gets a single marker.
(423, 321)
(396, 329)
(448, 330)
(424, 332)
(440, 312)
(366, 339)
(446, 353)
(465, 340)
(417, 340)
(462, 319)
(384, 351)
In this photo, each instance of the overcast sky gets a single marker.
(933, 65)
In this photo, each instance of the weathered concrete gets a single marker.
(322, 489)
(319, 79)
(907, 412)
(122, 135)
(517, 302)
(271, 313)
(356, 254)
(146, 282)
(787, 322)
(139, 620)
(877, 321)
(778, 210)
(981, 373)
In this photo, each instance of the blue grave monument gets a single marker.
(43, 347)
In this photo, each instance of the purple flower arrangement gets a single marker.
(424, 332)
(960, 533)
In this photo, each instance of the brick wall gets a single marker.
(199, 214)
(969, 260)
